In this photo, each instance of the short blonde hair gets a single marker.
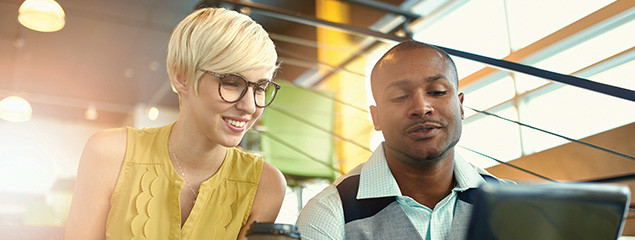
(221, 41)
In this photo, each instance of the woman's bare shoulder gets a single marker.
(268, 199)
(97, 175)
(271, 189)
(113, 136)
(104, 153)
(272, 176)
(107, 144)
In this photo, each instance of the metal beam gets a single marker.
(309, 43)
(354, 57)
(385, 7)
(548, 42)
(297, 118)
(287, 15)
(498, 63)
(615, 179)
(311, 63)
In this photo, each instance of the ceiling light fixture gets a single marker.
(15, 109)
(153, 113)
(42, 15)
(91, 112)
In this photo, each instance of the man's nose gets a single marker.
(420, 105)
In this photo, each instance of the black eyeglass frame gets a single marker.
(247, 84)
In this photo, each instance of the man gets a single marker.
(413, 186)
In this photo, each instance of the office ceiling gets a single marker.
(111, 54)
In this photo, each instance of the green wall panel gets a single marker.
(296, 132)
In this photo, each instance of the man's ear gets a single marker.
(461, 105)
(375, 116)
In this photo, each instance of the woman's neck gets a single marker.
(194, 151)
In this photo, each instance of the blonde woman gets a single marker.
(186, 180)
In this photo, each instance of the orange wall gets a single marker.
(350, 123)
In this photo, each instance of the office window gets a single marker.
(478, 27)
(494, 137)
(529, 21)
(591, 51)
(578, 113)
(489, 95)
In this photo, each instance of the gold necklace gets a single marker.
(178, 164)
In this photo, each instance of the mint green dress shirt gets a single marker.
(323, 218)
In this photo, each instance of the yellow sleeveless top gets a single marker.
(145, 203)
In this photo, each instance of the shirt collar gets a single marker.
(466, 175)
(377, 181)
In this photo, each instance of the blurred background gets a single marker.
(103, 66)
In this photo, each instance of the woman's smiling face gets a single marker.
(222, 122)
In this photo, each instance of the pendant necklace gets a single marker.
(178, 164)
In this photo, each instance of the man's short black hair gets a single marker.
(409, 45)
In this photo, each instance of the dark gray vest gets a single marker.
(383, 218)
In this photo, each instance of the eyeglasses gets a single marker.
(232, 87)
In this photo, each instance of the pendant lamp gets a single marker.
(91, 112)
(153, 113)
(41, 15)
(15, 109)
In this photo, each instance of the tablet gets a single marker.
(551, 211)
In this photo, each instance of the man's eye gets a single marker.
(400, 98)
(438, 93)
